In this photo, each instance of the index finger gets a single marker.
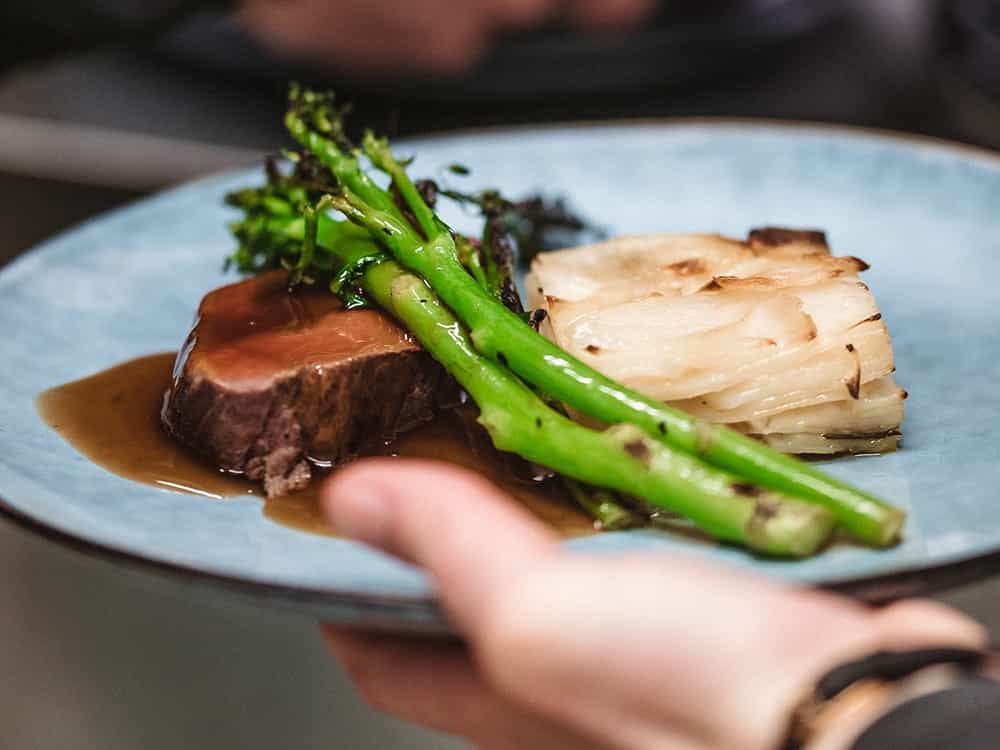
(470, 536)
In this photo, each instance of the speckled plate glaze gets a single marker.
(926, 215)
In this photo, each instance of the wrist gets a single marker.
(806, 634)
(918, 648)
(818, 633)
(837, 725)
(829, 650)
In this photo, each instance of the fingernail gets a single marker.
(357, 509)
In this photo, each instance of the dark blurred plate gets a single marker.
(973, 42)
(970, 68)
(684, 42)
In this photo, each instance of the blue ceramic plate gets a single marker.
(926, 215)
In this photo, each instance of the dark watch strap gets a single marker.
(890, 666)
(884, 666)
(963, 717)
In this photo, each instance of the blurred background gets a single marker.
(98, 657)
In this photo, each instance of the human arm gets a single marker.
(381, 36)
(391, 36)
(631, 652)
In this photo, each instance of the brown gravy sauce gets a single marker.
(113, 418)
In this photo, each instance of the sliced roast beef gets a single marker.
(271, 383)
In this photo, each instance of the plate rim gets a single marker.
(878, 589)
(710, 122)
(374, 608)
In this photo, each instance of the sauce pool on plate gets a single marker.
(113, 418)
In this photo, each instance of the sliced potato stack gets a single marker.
(773, 336)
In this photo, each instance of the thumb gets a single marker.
(468, 535)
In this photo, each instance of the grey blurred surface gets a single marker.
(96, 658)
(980, 601)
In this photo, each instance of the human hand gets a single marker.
(433, 35)
(572, 651)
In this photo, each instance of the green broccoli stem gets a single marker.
(542, 363)
(602, 506)
(343, 166)
(622, 458)
(503, 336)
(471, 259)
(381, 156)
